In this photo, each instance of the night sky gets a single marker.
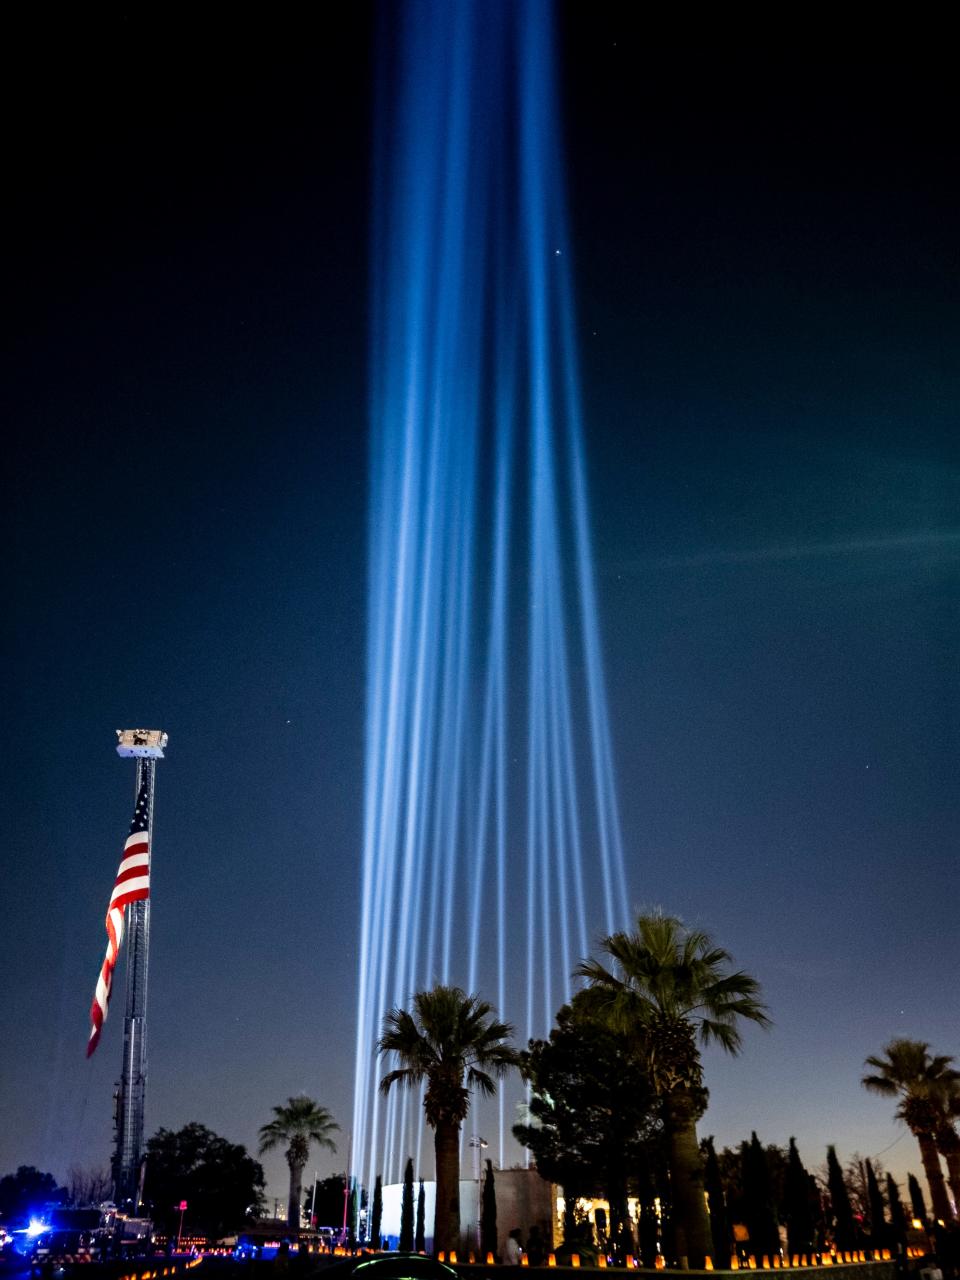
(765, 242)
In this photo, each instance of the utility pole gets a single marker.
(146, 747)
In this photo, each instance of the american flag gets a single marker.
(131, 885)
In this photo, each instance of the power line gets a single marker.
(892, 1144)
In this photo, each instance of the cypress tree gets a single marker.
(717, 1204)
(376, 1213)
(488, 1215)
(796, 1201)
(878, 1220)
(898, 1217)
(815, 1200)
(759, 1201)
(406, 1210)
(917, 1202)
(420, 1244)
(844, 1229)
(648, 1224)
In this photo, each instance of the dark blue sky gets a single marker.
(766, 262)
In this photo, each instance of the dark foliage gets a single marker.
(222, 1184)
(818, 1209)
(328, 1201)
(420, 1240)
(898, 1217)
(406, 1209)
(917, 1202)
(759, 1200)
(731, 1171)
(652, 1183)
(376, 1212)
(488, 1214)
(878, 1220)
(593, 1107)
(24, 1193)
(798, 1210)
(717, 1204)
(844, 1227)
(88, 1187)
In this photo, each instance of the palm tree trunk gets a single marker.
(446, 1225)
(293, 1204)
(935, 1180)
(692, 1239)
(953, 1176)
(948, 1144)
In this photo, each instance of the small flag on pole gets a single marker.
(131, 885)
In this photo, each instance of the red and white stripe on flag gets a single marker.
(131, 885)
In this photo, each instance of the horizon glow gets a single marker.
(490, 809)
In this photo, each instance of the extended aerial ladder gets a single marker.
(146, 747)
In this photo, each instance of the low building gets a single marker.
(524, 1199)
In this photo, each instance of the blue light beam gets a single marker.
(492, 846)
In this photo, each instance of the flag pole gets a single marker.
(146, 746)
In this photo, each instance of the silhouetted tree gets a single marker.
(87, 1187)
(406, 1209)
(355, 1199)
(668, 987)
(917, 1202)
(217, 1178)
(451, 1043)
(420, 1240)
(797, 1208)
(818, 1212)
(948, 1137)
(592, 1112)
(488, 1214)
(295, 1126)
(878, 1220)
(376, 1213)
(898, 1217)
(25, 1192)
(844, 1229)
(652, 1184)
(325, 1201)
(759, 1201)
(716, 1203)
(908, 1071)
(855, 1176)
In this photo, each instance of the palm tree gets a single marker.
(909, 1072)
(452, 1042)
(948, 1140)
(670, 986)
(296, 1125)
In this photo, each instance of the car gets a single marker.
(390, 1266)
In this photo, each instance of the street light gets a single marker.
(313, 1201)
(478, 1144)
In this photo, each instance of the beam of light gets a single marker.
(491, 840)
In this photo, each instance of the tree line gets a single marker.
(617, 1091)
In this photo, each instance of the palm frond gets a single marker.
(406, 1077)
(480, 1081)
(447, 1038)
(668, 982)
